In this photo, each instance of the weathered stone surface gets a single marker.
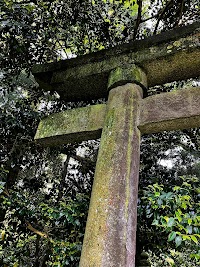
(71, 126)
(170, 56)
(127, 74)
(163, 112)
(111, 226)
(175, 110)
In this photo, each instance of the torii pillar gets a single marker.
(110, 237)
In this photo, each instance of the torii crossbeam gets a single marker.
(110, 235)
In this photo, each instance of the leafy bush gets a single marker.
(173, 211)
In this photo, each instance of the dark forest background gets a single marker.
(45, 192)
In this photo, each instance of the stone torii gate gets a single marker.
(124, 72)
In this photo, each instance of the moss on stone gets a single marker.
(166, 57)
(114, 203)
(125, 74)
(174, 110)
(71, 125)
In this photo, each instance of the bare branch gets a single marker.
(138, 21)
(161, 14)
(64, 173)
(180, 12)
(31, 228)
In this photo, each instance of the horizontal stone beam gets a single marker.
(71, 126)
(176, 110)
(166, 57)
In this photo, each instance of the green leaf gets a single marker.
(196, 256)
(170, 222)
(169, 195)
(186, 237)
(176, 188)
(77, 222)
(170, 261)
(157, 194)
(127, 4)
(134, 9)
(155, 222)
(194, 239)
(178, 240)
(29, 8)
(178, 217)
(189, 229)
(164, 221)
(171, 236)
(184, 205)
(186, 184)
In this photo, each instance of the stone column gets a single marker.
(110, 237)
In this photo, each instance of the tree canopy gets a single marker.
(44, 193)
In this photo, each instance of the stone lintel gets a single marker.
(71, 126)
(176, 110)
(170, 56)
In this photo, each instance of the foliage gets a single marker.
(58, 244)
(44, 193)
(173, 210)
(173, 258)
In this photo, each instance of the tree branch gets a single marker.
(31, 228)
(180, 12)
(64, 173)
(138, 21)
(162, 11)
